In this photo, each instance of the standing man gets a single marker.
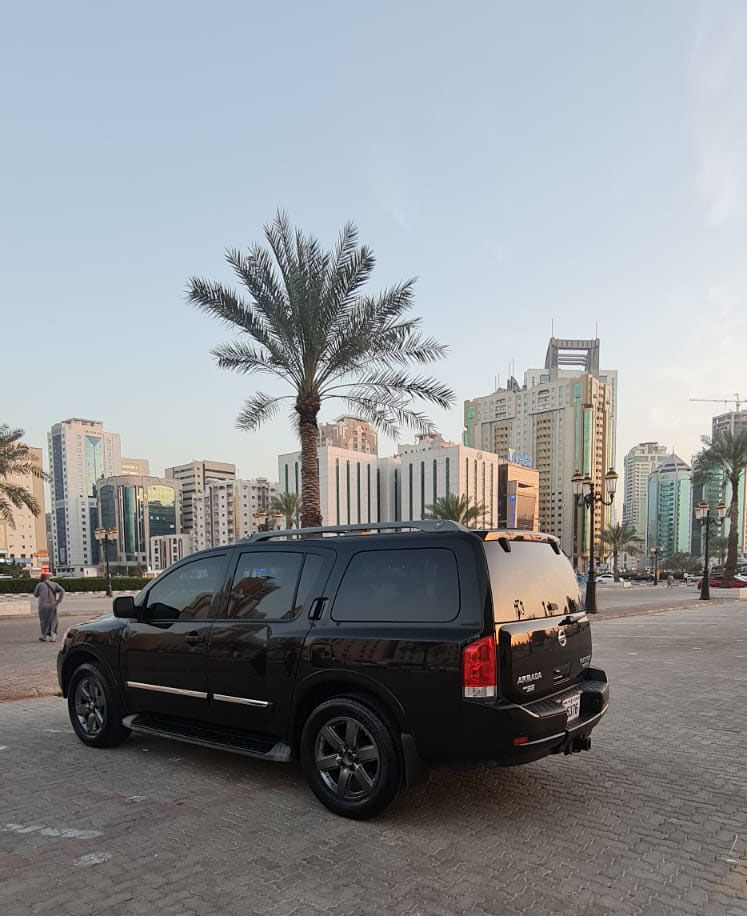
(50, 595)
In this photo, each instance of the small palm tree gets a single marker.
(621, 538)
(309, 324)
(456, 509)
(726, 455)
(15, 461)
(287, 504)
(719, 546)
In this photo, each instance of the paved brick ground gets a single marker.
(652, 821)
(27, 666)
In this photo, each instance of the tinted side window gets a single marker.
(264, 586)
(187, 592)
(403, 586)
(312, 568)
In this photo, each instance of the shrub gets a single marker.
(96, 584)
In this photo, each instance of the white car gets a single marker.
(605, 579)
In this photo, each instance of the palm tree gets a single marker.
(457, 509)
(287, 504)
(15, 461)
(620, 538)
(308, 323)
(725, 455)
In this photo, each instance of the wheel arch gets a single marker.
(79, 656)
(326, 685)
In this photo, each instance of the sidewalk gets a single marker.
(28, 668)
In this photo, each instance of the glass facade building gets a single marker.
(138, 508)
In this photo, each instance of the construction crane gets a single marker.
(736, 400)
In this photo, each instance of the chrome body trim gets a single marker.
(244, 701)
(161, 688)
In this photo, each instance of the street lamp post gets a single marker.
(103, 536)
(655, 551)
(587, 497)
(706, 519)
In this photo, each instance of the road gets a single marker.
(651, 822)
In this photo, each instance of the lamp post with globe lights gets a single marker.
(707, 520)
(587, 497)
(103, 536)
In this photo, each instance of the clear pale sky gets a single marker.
(582, 162)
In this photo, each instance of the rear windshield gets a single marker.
(530, 581)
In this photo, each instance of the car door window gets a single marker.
(404, 586)
(265, 586)
(187, 592)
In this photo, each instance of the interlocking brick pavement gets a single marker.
(652, 821)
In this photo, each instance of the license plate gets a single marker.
(572, 706)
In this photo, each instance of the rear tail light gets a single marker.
(479, 671)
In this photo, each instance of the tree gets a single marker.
(725, 455)
(456, 509)
(287, 504)
(14, 570)
(308, 324)
(682, 563)
(621, 538)
(15, 461)
(719, 545)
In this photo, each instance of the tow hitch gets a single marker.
(579, 743)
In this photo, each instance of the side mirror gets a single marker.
(124, 606)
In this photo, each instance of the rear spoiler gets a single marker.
(505, 536)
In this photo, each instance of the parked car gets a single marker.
(720, 582)
(643, 577)
(368, 658)
(605, 579)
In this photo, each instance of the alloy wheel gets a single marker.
(347, 758)
(90, 707)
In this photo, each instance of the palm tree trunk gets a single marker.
(615, 570)
(731, 551)
(307, 408)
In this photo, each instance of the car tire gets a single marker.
(94, 708)
(350, 758)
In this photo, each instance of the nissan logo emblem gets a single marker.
(562, 637)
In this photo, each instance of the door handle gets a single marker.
(317, 606)
(193, 638)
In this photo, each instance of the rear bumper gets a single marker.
(509, 734)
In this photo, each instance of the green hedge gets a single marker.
(98, 584)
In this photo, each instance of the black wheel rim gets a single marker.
(90, 706)
(347, 758)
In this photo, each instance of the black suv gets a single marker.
(369, 656)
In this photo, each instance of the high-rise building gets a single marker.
(735, 421)
(639, 462)
(140, 467)
(356, 487)
(719, 487)
(347, 483)
(518, 496)
(563, 419)
(194, 477)
(139, 508)
(349, 433)
(24, 540)
(228, 510)
(669, 508)
(166, 549)
(81, 452)
(432, 468)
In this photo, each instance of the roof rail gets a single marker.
(430, 525)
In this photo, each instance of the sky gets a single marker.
(540, 165)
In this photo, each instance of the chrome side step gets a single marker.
(205, 736)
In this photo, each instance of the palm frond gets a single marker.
(257, 410)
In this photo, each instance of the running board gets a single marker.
(207, 736)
